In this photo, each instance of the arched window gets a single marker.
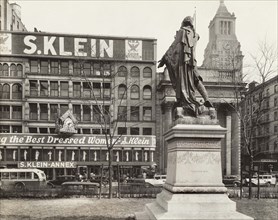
(5, 70)
(147, 72)
(17, 91)
(13, 70)
(1, 91)
(19, 70)
(1, 70)
(122, 71)
(6, 91)
(122, 91)
(134, 92)
(135, 72)
(147, 92)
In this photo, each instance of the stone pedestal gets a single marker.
(193, 188)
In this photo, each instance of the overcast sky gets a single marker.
(256, 20)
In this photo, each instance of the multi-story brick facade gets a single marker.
(264, 142)
(43, 75)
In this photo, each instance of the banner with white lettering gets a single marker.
(95, 47)
(76, 140)
(46, 164)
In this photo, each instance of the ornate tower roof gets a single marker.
(222, 10)
(223, 49)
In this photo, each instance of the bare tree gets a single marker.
(105, 102)
(251, 106)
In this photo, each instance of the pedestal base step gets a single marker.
(169, 206)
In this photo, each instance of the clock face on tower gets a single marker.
(226, 46)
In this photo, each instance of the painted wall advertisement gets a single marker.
(75, 140)
(47, 44)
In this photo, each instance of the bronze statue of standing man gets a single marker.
(182, 67)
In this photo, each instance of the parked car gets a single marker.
(231, 180)
(157, 180)
(60, 180)
(264, 180)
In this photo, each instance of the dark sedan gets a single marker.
(61, 179)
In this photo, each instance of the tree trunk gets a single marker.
(110, 159)
(250, 177)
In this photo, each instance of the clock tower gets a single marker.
(223, 49)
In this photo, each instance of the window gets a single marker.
(122, 92)
(147, 113)
(77, 112)
(134, 113)
(54, 65)
(6, 91)
(122, 131)
(275, 129)
(147, 72)
(33, 111)
(52, 130)
(43, 112)
(54, 89)
(106, 90)
(4, 129)
(13, 70)
(86, 90)
(147, 131)
(86, 113)
(96, 113)
(65, 68)
(87, 69)
(34, 66)
(44, 88)
(77, 69)
(147, 92)
(17, 25)
(64, 89)
(135, 72)
(106, 113)
(95, 131)
(106, 70)
(5, 70)
(19, 70)
(42, 131)
(96, 90)
(86, 131)
(122, 113)
(76, 89)
(1, 70)
(97, 69)
(275, 101)
(122, 71)
(276, 88)
(44, 67)
(16, 129)
(63, 108)
(53, 111)
(33, 88)
(33, 130)
(16, 112)
(4, 112)
(134, 131)
(275, 115)
(134, 92)
(17, 91)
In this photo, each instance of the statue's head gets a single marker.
(188, 21)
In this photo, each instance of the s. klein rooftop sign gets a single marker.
(75, 140)
(73, 46)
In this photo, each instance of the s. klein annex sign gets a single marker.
(75, 140)
(73, 46)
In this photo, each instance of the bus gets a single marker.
(21, 179)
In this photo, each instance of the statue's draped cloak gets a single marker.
(181, 64)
